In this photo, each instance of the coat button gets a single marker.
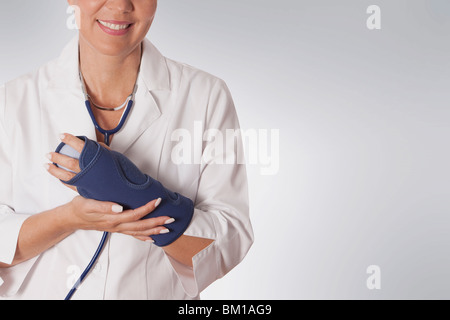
(98, 268)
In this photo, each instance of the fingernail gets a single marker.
(48, 156)
(157, 202)
(150, 241)
(164, 231)
(46, 166)
(117, 209)
(62, 136)
(171, 220)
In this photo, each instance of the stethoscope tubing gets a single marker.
(107, 140)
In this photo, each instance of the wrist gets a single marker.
(64, 218)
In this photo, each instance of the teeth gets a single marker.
(114, 26)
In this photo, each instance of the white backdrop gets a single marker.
(363, 122)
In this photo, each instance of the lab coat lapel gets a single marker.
(153, 77)
(143, 113)
(64, 99)
(68, 114)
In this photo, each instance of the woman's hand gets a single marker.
(87, 214)
(65, 161)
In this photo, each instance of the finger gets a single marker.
(59, 173)
(72, 141)
(96, 215)
(103, 207)
(141, 212)
(146, 233)
(145, 239)
(146, 227)
(65, 161)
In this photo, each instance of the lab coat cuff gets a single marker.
(204, 271)
(10, 225)
(203, 225)
(11, 278)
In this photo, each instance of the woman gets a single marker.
(48, 233)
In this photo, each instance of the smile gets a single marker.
(114, 26)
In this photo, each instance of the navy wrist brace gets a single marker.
(108, 175)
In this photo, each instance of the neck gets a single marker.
(109, 79)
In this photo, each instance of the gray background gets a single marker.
(363, 119)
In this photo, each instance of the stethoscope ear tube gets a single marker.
(107, 140)
(108, 133)
(95, 257)
(89, 267)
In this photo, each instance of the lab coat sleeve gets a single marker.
(221, 207)
(10, 221)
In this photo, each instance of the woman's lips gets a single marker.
(115, 28)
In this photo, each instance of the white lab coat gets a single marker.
(36, 108)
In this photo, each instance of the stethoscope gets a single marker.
(107, 140)
(108, 133)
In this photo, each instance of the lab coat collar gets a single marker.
(65, 75)
(73, 117)
(154, 70)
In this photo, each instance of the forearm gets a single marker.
(186, 247)
(39, 233)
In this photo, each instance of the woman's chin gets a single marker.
(112, 47)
